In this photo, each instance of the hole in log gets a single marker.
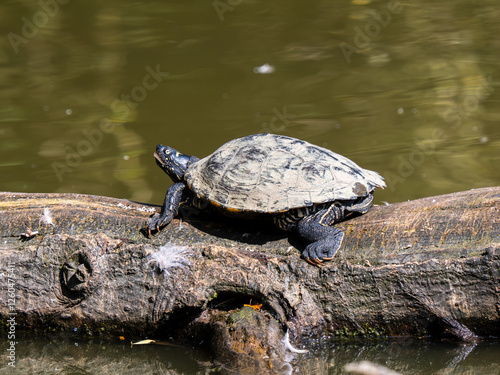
(450, 329)
(75, 275)
(176, 322)
(230, 300)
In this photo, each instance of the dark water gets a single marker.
(88, 93)
(63, 355)
(409, 89)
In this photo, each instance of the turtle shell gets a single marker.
(271, 173)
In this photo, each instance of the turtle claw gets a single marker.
(148, 230)
(314, 262)
(153, 224)
(318, 252)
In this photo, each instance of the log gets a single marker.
(423, 267)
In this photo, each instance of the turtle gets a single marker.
(299, 186)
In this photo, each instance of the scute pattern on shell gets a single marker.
(274, 173)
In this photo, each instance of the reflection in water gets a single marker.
(406, 356)
(63, 354)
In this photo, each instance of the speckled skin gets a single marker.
(302, 186)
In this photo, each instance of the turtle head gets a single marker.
(172, 162)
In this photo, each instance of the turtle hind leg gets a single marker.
(171, 204)
(361, 205)
(324, 239)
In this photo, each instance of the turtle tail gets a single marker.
(375, 179)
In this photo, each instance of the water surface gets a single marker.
(409, 89)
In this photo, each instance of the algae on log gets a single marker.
(429, 266)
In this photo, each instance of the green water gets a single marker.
(414, 95)
(409, 89)
(59, 355)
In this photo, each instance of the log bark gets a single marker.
(423, 267)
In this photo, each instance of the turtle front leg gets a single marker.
(324, 239)
(170, 208)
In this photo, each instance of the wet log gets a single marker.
(78, 262)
